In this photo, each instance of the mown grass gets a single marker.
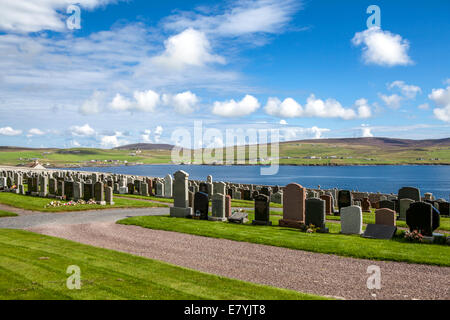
(152, 198)
(38, 204)
(332, 243)
(33, 266)
(234, 203)
(7, 214)
(370, 218)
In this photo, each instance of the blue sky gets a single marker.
(136, 71)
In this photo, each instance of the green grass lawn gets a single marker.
(7, 214)
(332, 243)
(234, 203)
(38, 204)
(33, 266)
(133, 196)
(370, 218)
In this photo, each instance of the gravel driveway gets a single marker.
(314, 273)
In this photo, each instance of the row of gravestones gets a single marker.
(57, 185)
(163, 187)
(299, 211)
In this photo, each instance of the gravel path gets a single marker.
(77, 217)
(315, 273)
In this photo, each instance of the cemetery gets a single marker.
(405, 227)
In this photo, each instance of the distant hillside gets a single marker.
(381, 142)
(146, 146)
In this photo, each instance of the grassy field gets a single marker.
(33, 266)
(370, 218)
(38, 204)
(234, 203)
(7, 214)
(326, 152)
(332, 243)
(81, 156)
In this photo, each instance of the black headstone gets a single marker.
(201, 205)
(262, 210)
(315, 213)
(420, 216)
(344, 199)
(409, 193)
(88, 191)
(379, 231)
(387, 204)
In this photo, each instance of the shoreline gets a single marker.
(248, 164)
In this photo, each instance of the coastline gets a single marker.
(249, 164)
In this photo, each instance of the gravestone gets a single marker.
(266, 190)
(144, 189)
(386, 217)
(421, 216)
(201, 205)
(277, 197)
(88, 191)
(191, 199)
(315, 213)
(181, 206)
(130, 188)
(159, 189)
(220, 187)
(328, 204)
(351, 220)
(227, 206)
(43, 185)
(444, 208)
(365, 205)
(262, 210)
(68, 189)
(409, 193)
(77, 191)
(246, 194)
(218, 207)
(404, 205)
(52, 186)
(387, 204)
(293, 206)
(203, 187)
(109, 196)
(238, 217)
(150, 187)
(60, 188)
(168, 186)
(380, 231)
(345, 199)
(99, 193)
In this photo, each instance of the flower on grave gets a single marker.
(414, 236)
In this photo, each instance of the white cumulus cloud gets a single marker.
(8, 131)
(366, 131)
(189, 48)
(146, 101)
(183, 103)
(441, 97)
(120, 103)
(392, 101)
(82, 131)
(314, 107)
(93, 104)
(232, 108)
(383, 47)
